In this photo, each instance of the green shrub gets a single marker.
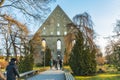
(47, 56)
(82, 59)
(26, 63)
(38, 64)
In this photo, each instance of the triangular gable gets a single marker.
(56, 21)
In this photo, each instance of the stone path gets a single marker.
(49, 75)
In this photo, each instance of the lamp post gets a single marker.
(43, 53)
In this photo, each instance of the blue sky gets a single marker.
(104, 14)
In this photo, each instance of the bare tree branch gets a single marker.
(34, 8)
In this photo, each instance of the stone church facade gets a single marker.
(52, 33)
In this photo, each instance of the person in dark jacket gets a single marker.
(60, 63)
(12, 70)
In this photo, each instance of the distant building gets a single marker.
(52, 34)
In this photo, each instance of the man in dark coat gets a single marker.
(12, 70)
(60, 63)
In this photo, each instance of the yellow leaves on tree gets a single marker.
(13, 21)
(36, 40)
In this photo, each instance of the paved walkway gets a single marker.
(49, 75)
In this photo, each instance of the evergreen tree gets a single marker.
(82, 59)
(47, 56)
(115, 57)
(26, 63)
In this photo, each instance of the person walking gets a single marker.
(56, 64)
(51, 63)
(12, 70)
(60, 63)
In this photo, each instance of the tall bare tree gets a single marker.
(12, 32)
(83, 23)
(113, 40)
(30, 11)
(6, 42)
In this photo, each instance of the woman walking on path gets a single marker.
(12, 70)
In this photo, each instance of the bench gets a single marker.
(28, 73)
(69, 76)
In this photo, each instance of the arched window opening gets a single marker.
(58, 32)
(65, 33)
(44, 30)
(58, 24)
(73, 43)
(43, 44)
(58, 44)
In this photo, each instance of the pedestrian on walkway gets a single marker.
(56, 64)
(12, 70)
(60, 63)
(51, 63)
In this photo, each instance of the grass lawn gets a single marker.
(111, 74)
(105, 76)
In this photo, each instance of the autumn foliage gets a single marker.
(3, 63)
